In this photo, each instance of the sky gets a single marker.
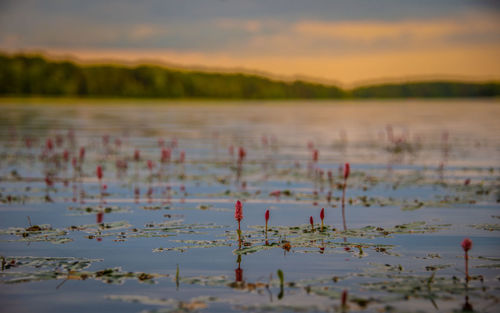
(346, 42)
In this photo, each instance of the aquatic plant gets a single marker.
(82, 154)
(322, 216)
(344, 300)
(165, 155)
(347, 171)
(182, 156)
(311, 221)
(99, 176)
(241, 154)
(238, 215)
(238, 212)
(466, 245)
(267, 219)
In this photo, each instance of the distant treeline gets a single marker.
(28, 75)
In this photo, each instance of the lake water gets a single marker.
(157, 233)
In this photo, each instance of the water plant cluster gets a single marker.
(305, 227)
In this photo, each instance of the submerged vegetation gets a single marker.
(31, 75)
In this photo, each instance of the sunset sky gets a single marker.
(346, 42)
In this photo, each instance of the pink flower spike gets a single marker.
(344, 299)
(49, 144)
(165, 155)
(322, 214)
(267, 216)
(315, 155)
(65, 155)
(347, 170)
(82, 153)
(137, 155)
(99, 217)
(238, 211)
(466, 244)
(241, 153)
(150, 165)
(99, 172)
(311, 221)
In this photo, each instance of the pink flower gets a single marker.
(137, 155)
(344, 298)
(49, 144)
(99, 217)
(241, 153)
(165, 155)
(275, 193)
(65, 155)
(315, 155)
(238, 211)
(347, 170)
(267, 216)
(466, 244)
(322, 214)
(82, 153)
(99, 172)
(311, 221)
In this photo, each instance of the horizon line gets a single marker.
(89, 61)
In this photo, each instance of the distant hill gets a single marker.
(31, 75)
(434, 89)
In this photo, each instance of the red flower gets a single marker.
(275, 193)
(311, 221)
(344, 298)
(99, 217)
(347, 170)
(82, 153)
(241, 153)
(48, 181)
(322, 214)
(267, 216)
(165, 155)
(65, 155)
(137, 155)
(150, 165)
(466, 244)
(49, 144)
(238, 211)
(99, 172)
(315, 155)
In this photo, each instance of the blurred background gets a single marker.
(339, 43)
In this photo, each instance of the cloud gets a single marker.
(248, 25)
(340, 50)
(372, 31)
(146, 31)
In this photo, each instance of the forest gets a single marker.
(34, 75)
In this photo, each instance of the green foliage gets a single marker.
(428, 90)
(31, 75)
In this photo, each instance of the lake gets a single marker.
(129, 206)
